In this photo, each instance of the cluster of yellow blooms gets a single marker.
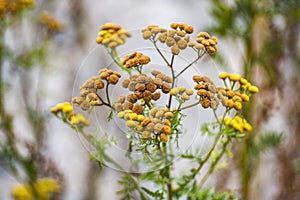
(238, 123)
(41, 189)
(50, 22)
(112, 35)
(234, 99)
(14, 6)
(66, 113)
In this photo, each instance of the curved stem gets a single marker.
(115, 56)
(102, 102)
(107, 95)
(212, 167)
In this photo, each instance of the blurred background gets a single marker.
(40, 63)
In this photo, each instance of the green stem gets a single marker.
(202, 162)
(212, 167)
(115, 56)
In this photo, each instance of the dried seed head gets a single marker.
(175, 50)
(162, 37)
(199, 46)
(205, 102)
(170, 41)
(146, 135)
(132, 98)
(182, 44)
(156, 96)
(191, 44)
(138, 109)
(174, 25)
(147, 34)
(166, 88)
(140, 87)
(189, 29)
(118, 107)
(125, 83)
(77, 100)
(127, 105)
(113, 79)
(85, 105)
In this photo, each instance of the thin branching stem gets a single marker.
(186, 107)
(107, 94)
(160, 53)
(213, 165)
(173, 79)
(189, 65)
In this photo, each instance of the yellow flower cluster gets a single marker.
(112, 35)
(181, 93)
(135, 59)
(48, 20)
(14, 6)
(234, 99)
(65, 111)
(41, 190)
(245, 85)
(156, 124)
(238, 123)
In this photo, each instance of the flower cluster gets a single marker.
(88, 91)
(65, 111)
(109, 75)
(177, 37)
(14, 6)
(135, 59)
(144, 87)
(207, 91)
(156, 124)
(238, 123)
(41, 189)
(181, 93)
(112, 35)
(50, 22)
(234, 98)
(209, 43)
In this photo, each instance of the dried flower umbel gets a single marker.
(152, 122)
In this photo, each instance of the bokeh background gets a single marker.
(258, 39)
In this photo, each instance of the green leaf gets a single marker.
(157, 194)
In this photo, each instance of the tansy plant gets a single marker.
(152, 112)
